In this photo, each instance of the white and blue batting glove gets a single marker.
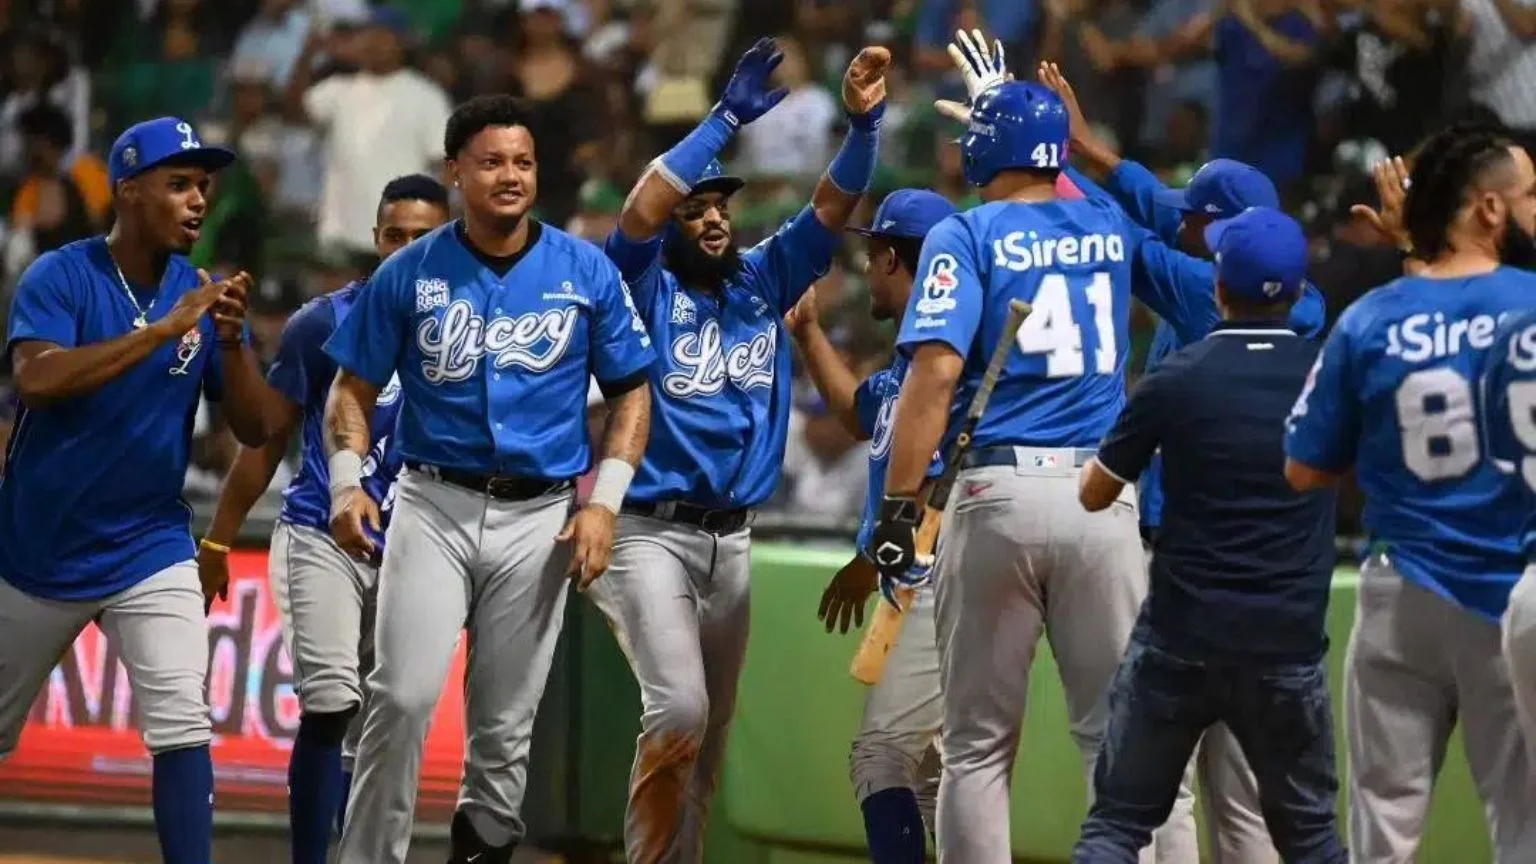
(915, 577)
(981, 69)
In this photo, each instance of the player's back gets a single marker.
(1065, 383)
(1438, 508)
(1508, 414)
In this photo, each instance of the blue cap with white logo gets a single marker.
(1261, 254)
(1222, 188)
(150, 144)
(714, 179)
(909, 213)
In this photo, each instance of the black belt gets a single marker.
(718, 522)
(988, 457)
(498, 486)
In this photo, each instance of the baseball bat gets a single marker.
(885, 625)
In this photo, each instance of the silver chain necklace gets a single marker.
(141, 320)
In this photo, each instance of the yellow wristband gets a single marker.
(213, 547)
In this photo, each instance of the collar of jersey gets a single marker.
(1251, 328)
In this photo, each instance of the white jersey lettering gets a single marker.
(707, 367)
(454, 344)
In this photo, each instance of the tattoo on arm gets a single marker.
(629, 425)
(348, 414)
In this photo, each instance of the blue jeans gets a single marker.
(1160, 704)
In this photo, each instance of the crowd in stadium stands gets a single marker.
(326, 100)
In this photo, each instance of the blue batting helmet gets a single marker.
(1017, 124)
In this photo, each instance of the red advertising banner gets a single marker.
(81, 746)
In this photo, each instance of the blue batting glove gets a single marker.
(746, 95)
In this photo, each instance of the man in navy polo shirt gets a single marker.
(115, 340)
(1233, 628)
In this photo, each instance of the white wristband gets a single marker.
(613, 478)
(346, 471)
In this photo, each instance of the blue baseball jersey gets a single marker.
(721, 382)
(1508, 414)
(90, 501)
(1393, 394)
(303, 373)
(1064, 384)
(494, 358)
(1179, 287)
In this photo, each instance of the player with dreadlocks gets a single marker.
(1392, 396)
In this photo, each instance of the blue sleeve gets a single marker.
(1180, 288)
(1128, 448)
(46, 306)
(301, 369)
(786, 263)
(1135, 189)
(946, 306)
(1323, 430)
(867, 405)
(1310, 313)
(619, 343)
(639, 262)
(370, 340)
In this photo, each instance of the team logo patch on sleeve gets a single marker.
(431, 294)
(939, 286)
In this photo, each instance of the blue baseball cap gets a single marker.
(714, 179)
(150, 144)
(1222, 188)
(392, 19)
(909, 213)
(1261, 254)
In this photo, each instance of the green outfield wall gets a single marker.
(786, 797)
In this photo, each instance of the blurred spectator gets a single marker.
(597, 212)
(1266, 54)
(273, 41)
(377, 123)
(51, 207)
(826, 469)
(569, 111)
(1012, 21)
(679, 83)
(171, 61)
(40, 72)
(792, 141)
(1502, 64)
(1406, 61)
(1350, 258)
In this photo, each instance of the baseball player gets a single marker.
(1508, 416)
(1392, 397)
(115, 340)
(323, 593)
(894, 765)
(493, 324)
(677, 594)
(1019, 555)
(1174, 272)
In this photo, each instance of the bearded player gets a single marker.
(894, 765)
(677, 591)
(324, 594)
(1392, 397)
(115, 341)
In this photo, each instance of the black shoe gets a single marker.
(466, 847)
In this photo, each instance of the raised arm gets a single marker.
(849, 175)
(668, 179)
(833, 379)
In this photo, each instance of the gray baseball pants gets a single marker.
(1417, 664)
(678, 599)
(158, 629)
(1020, 558)
(897, 743)
(1519, 647)
(326, 600)
(457, 559)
